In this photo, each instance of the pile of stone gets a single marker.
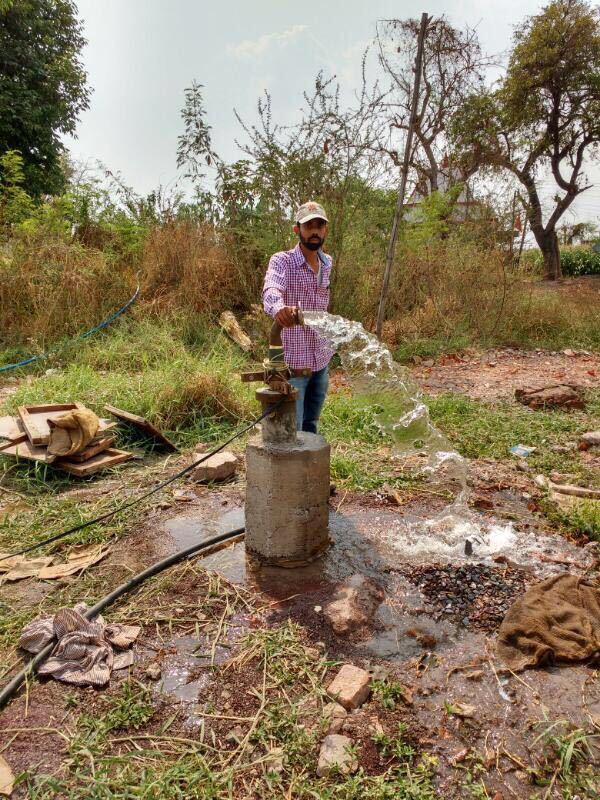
(348, 691)
(471, 594)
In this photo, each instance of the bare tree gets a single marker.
(453, 66)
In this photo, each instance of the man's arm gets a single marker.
(274, 291)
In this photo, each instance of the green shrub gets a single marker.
(580, 261)
(573, 260)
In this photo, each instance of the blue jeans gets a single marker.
(311, 396)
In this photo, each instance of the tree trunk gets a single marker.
(548, 244)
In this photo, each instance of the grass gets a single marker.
(126, 749)
(489, 430)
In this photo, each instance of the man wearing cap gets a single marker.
(299, 278)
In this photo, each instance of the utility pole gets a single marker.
(389, 259)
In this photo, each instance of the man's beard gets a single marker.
(313, 242)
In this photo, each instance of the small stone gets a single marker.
(274, 760)
(354, 604)
(235, 735)
(153, 671)
(590, 439)
(335, 752)
(428, 362)
(201, 448)
(523, 466)
(219, 467)
(350, 687)
(335, 714)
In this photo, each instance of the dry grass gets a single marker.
(452, 291)
(50, 289)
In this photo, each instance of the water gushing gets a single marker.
(379, 382)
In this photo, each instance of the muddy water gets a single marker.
(375, 544)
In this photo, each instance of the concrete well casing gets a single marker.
(287, 494)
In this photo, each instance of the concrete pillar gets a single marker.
(287, 494)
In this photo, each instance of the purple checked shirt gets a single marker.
(291, 282)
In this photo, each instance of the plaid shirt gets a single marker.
(291, 282)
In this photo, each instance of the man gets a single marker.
(300, 278)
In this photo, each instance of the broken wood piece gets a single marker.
(35, 419)
(143, 424)
(104, 460)
(232, 327)
(22, 448)
(93, 449)
(575, 491)
(10, 443)
(11, 428)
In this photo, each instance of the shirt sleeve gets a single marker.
(275, 284)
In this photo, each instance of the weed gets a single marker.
(388, 692)
(568, 759)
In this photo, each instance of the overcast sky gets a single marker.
(141, 55)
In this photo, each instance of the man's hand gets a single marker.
(286, 316)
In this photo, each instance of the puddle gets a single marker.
(186, 662)
(392, 549)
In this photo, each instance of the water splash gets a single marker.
(378, 381)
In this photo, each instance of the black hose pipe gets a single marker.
(208, 544)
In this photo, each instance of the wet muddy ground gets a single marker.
(434, 632)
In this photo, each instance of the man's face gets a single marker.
(312, 233)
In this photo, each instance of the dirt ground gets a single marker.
(434, 633)
(495, 374)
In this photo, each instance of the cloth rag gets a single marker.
(84, 654)
(555, 620)
(72, 432)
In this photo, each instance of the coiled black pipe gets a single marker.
(201, 547)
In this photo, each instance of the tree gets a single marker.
(544, 114)
(452, 68)
(42, 86)
(194, 145)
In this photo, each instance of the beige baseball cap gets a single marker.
(310, 210)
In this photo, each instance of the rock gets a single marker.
(216, 468)
(523, 466)
(590, 439)
(335, 714)
(274, 760)
(428, 362)
(235, 735)
(350, 687)
(153, 671)
(569, 352)
(562, 395)
(201, 448)
(335, 753)
(354, 604)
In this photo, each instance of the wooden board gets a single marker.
(35, 419)
(93, 449)
(22, 448)
(109, 458)
(11, 428)
(142, 424)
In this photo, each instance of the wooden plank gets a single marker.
(109, 458)
(93, 449)
(11, 428)
(142, 424)
(24, 449)
(35, 419)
